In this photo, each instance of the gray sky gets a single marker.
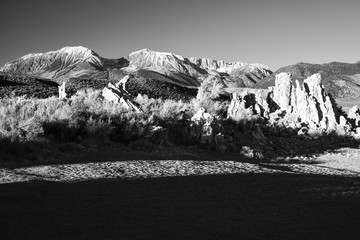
(273, 32)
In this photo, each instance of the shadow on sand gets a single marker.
(238, 206)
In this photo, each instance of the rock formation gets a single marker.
(62, 92)
(354, 115)
(117, 94)
(122, 83)
(248, 105)
(305, 108)
(282, 91)
(307, 103)
(341, 80)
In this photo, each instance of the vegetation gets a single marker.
(15, 85)
(156, 88)
(87, 116)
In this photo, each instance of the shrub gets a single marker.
(25, 119)
(211, 88)
(87, 115)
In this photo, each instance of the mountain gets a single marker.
(81, 62)
(68, 62)
(341, 80)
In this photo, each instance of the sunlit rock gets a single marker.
(115, 94)
(292, 108)
(354, 115)
(282, 91)
(249, 104)
(62, 93)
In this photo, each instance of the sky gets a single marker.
(272, 32)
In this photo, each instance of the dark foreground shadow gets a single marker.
(247, 206)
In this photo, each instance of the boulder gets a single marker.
(116, 94)
(122, 83)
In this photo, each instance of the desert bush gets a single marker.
(23, 119)
(214, 107)
(168, 110)
(212, 88)
(87, 115)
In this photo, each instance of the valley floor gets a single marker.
(301, 198)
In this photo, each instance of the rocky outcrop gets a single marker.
(117, 94)
(341, 80)
(354, 119)
(304, 108)
(62, 92)
(248, 105)
(305, 103)
(354, 115)
(282, 91)
(122, 83)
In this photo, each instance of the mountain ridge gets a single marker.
(77, 62)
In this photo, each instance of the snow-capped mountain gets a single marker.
(81, 62)
(66, 62)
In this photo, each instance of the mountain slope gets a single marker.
(342, 80)
(68, 62)
(80, 62)
(190, 72)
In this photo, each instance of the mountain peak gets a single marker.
(153, 52)
(75, 49)
(78, 61)
(55, 64)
